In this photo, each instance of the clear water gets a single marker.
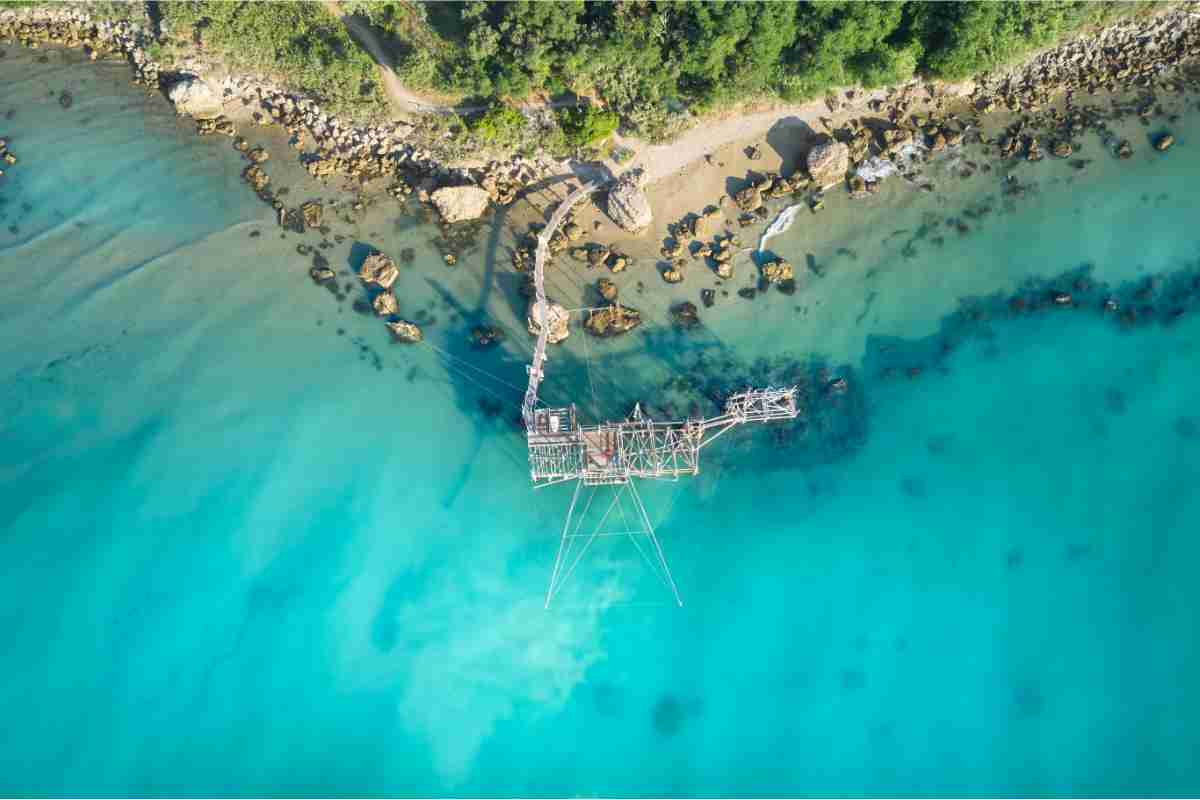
(243, 553)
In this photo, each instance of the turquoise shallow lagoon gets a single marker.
(249, 547)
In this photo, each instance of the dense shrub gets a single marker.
(586, 125)
(498, 125)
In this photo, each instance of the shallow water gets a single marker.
(250, 547)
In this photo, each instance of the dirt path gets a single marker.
(402, 100)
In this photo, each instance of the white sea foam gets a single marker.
(780, 224)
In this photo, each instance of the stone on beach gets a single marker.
(460, 203)
(827, 163)
(558, 321)
(379, 270)
(627, 203)
(195, 97)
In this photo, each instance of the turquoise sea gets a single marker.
(250, 547)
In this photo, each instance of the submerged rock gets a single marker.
(460, 203)
(194, 97)
(612, 321)
(486, 336)
(627, 202)
(607, 289)
(379, 270)
(405, 331)
(686, 315)
(321, 274)
(557, 318)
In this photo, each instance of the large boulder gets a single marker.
(827, 163)
(379, 270)
(627, 203)
(558, 319)
(194, 97)
(460, 203)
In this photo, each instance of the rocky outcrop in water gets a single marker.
(379, 270)
(627, 202)
(385, 304)
(312, 212)
(612, 321)
(405, 331)
(559, 320)
(777, 270)
(460, 203)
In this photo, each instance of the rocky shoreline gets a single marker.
(1043, 105)
(329, 146)
(1133, 53)
(1043, 108)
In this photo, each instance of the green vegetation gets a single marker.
(647, 61)
(301, 42)
(499, 125)
(585, 125)
(652, 64)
